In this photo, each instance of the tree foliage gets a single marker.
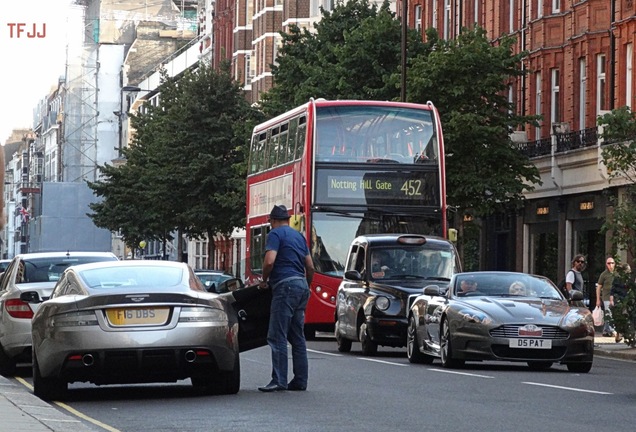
(467, 78)
(185, 168)
(619, 156)
(354, 53)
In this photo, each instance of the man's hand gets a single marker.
(263, 285)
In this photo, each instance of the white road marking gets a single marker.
(567, 388)
(461, 373)
(381, 361)
(325, 353)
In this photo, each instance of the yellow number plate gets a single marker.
(122, 317)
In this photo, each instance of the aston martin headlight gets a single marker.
(202, 314)
(382, 303)
(575, 319)
(475, 317)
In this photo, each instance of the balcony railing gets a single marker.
(564, 142)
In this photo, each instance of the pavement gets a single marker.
(22, 411)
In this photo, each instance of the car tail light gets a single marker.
(18, 309)
(74, 319)
(201, 314)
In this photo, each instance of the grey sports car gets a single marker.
(500, 316)
(143, 321)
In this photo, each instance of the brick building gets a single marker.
(580, 65)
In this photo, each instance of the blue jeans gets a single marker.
(286, 323)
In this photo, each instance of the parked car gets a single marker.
(212, 278)
(30, 272)
(4, 264)
(500, 316)
(143, 321)
(383, 274)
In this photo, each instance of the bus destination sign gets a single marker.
(349, 187)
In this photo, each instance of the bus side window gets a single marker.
(272, 150)
(259, 152)
(282, 145)
(300, 140)
(292, 140)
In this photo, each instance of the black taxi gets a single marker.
(383, 275)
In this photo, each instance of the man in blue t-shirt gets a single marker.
(287, 270)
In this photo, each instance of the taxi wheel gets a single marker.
(344, 345)
(47, 388)
(446, 348)
(7, 364)
(579, 367)
(368, 346)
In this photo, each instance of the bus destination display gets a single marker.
(350, 187)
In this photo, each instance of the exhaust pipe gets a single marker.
(88, 360)
(190, 356)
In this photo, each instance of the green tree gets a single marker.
(354, 53)
(619, 156)
(190, 152)
(467, 78)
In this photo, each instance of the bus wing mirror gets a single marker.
(297, 222)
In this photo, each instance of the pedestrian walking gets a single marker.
(620, 287)
(287, 271)
(574, 278)
(603, 290)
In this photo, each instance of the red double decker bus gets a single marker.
(344, 169)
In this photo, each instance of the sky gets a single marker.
(30, 66)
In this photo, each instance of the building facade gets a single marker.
(579, 64)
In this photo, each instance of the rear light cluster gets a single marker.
(202, 314)
(74, 319)
(16, 308)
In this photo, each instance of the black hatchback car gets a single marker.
(383, 275)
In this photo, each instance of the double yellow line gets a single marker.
(72, 410)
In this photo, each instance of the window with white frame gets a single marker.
(582, 91)
(555, 113)
(476, 12)
(629, 78)
(539, 8)
(249, 12)
(418, 18)
(434, 13)
(248, 69)
(447, 19)
(511, 16)
(511, 97)
(600, 83)
(556, 6)
(277, 44)
(537, 101)
(327, 5)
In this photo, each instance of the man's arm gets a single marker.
(309, 269)
(268, 265)
(569, 281)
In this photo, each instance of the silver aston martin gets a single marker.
(500, 316)
(142, 321)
